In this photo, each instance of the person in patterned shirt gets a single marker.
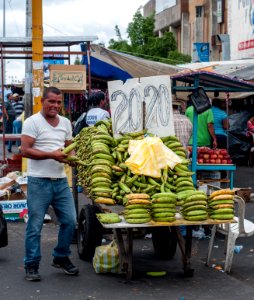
(183, 126)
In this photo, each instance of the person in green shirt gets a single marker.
(206, 135)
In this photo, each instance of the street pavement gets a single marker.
(207, 282)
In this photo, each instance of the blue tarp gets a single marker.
(102, 69)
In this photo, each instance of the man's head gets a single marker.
(15, 97)
(99, 99)
(51, 102)
(219, 103)
(9, 96)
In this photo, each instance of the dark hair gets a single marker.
(51, 89)
(96, 98)
(8, 95)
(217, 102)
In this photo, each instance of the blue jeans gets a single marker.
(8, 126)
(41, 193)
(17, 128)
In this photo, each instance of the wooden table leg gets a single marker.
(121, 249)
(129, 248)
(125, 251)
(185, 247)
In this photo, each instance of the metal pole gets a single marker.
(37, 54)
(3, 106)
(195, 138)
(227, 110)
(4, 34)
(3, 18)
(89, 67)
(28, 64)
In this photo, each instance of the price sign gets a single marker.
(126, 103)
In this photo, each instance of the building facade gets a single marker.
(241, 28)
(200, 26)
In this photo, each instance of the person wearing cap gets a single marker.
(17, 104)
(97, 112)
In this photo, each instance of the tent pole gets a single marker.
(3, 106)
(89, 67)
(227, 110)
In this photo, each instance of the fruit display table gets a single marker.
(206, 159)
(218, 167)
(125, 245)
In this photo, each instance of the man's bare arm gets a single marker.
(211, 131)
(28, 151)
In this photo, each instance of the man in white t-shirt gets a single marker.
(97, 112)
(44, 134)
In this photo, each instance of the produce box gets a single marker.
(243, 193)
(210, 175)
(14, 209)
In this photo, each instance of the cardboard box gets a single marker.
(14, 209)
(243, 193)
(208, 176)
(13, 196)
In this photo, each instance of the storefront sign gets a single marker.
(68, 77)
(144, 103)
(241, 29)
(201, 52)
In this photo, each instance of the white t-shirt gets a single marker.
(47, 138)
(96, 114)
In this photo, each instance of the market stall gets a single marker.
(136, 180)
(185, 245)
(210, 82)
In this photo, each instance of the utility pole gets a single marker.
(37, 54)
(3, 18)
(28, 64)
(4, 35)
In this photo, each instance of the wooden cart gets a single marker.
(165, 236)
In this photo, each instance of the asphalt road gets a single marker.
(207, 283)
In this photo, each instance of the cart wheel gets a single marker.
(164, 242)
(89, 232)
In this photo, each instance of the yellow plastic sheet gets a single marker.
(149, 156)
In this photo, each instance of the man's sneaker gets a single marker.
(66, 265)
(32, 273)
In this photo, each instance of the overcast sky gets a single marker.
(68, 18)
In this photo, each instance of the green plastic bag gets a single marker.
(106, 259)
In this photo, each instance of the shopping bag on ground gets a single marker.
(106, 259)
(3, 230)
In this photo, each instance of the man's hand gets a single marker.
(59, 156)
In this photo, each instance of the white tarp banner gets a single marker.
(127, 102)
(241, 28)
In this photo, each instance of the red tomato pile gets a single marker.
(213, 156)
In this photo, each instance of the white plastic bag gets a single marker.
(106, 259)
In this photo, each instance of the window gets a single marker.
(199, 11)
